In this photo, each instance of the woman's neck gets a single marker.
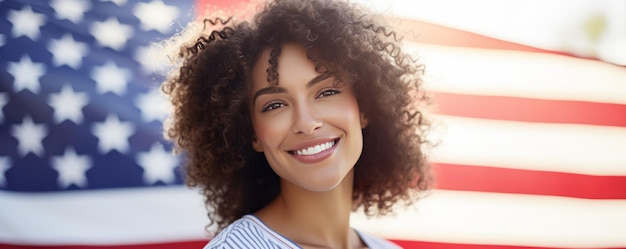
(313, 219)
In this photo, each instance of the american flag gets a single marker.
(81, 120)
(533, 153)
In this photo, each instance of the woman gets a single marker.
(294, 120)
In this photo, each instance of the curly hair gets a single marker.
(210, 94)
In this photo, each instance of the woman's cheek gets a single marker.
(272, 126)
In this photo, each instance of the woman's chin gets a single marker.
(323, 185)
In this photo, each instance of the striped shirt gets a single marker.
(251, 232)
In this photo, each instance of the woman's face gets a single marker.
(308, 127)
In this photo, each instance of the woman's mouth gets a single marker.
(315, 153)
(315, 149)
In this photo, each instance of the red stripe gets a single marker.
(231, 7)
(430, 33)
(501, 180)
(531, 110)
(438, 245)
(222, 4)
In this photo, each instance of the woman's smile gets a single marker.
(307, 151)
(314, 153)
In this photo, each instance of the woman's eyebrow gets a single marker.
(277, 89)
(268, 90)
(319, 78)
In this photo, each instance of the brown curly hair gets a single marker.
(210, 93)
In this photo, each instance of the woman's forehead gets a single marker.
(292, 63)
(261, 65)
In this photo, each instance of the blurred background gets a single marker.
(531, 98)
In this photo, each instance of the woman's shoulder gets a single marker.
(374, 242)
(249, 232)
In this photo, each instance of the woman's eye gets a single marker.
(328, 92)
(272, 106)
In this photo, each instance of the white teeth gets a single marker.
(315, 149)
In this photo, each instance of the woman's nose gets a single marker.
(305, 120)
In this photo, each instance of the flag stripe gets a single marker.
(102, 217)
(505, 219)
(430, 33)
(568, 148)
(530, 110)
(443, 216)
(439, 245)
(502, 180)
(519, 74)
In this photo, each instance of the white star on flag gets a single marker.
(71, 168)
(111, 78)
(156, 15)
(29, 137)
(1, 40)
(26, 74)
(68, 105)
(5, 164)
(67, 51)
(111, 33)
(153, 105)
(26, 22)
(113, 134)
(73, 10)
(151, 60)
(158, 165)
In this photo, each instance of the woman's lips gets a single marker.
(315, 153)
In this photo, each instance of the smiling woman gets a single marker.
(294, 120)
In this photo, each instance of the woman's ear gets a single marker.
(256, 145)
(364, 121)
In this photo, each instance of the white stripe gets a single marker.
(505, 219)
(533, 22)
(168, 214)
(519, 74)
(143, 215)
(583, 149)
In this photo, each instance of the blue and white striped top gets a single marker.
(251, 232)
